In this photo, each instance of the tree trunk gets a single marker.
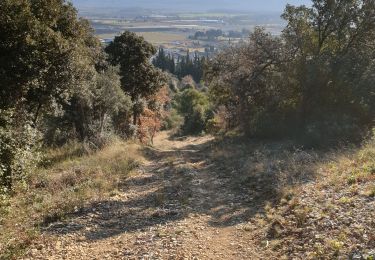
(102, 118)
(135, 117)
(37, 114)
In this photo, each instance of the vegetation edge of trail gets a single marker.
(70, 180)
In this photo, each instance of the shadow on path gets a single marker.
(229, 181)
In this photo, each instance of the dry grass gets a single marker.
(272, 170)
(162, 37)
(354, 168)
(156, 38)
(336, 209)
(67, 181)
(317, 204)
(310, 204)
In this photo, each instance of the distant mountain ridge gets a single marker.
(193, 5)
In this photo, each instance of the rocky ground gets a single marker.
(174, 207)
(330, 219)
(189, 201)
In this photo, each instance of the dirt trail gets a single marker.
(178, 205)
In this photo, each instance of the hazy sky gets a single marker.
(193, 5)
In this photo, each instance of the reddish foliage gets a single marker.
(150, 121)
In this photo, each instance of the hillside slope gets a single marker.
(198, 198)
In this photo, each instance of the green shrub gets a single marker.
(331, 130)
(213, 126)
(18, 149)
(195, 107)
(173, 120)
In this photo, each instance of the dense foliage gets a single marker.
(59, 85)
(165, 62)
(209, 34)
(46, 54)
(315, 80)
(194, 106)
(183, 66)
(139, 79)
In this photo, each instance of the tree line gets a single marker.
(211, 34)
(183, 66)
(315, 81)
(59, 84)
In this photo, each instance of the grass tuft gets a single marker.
(68, 178)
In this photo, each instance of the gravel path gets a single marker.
(176, 206)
